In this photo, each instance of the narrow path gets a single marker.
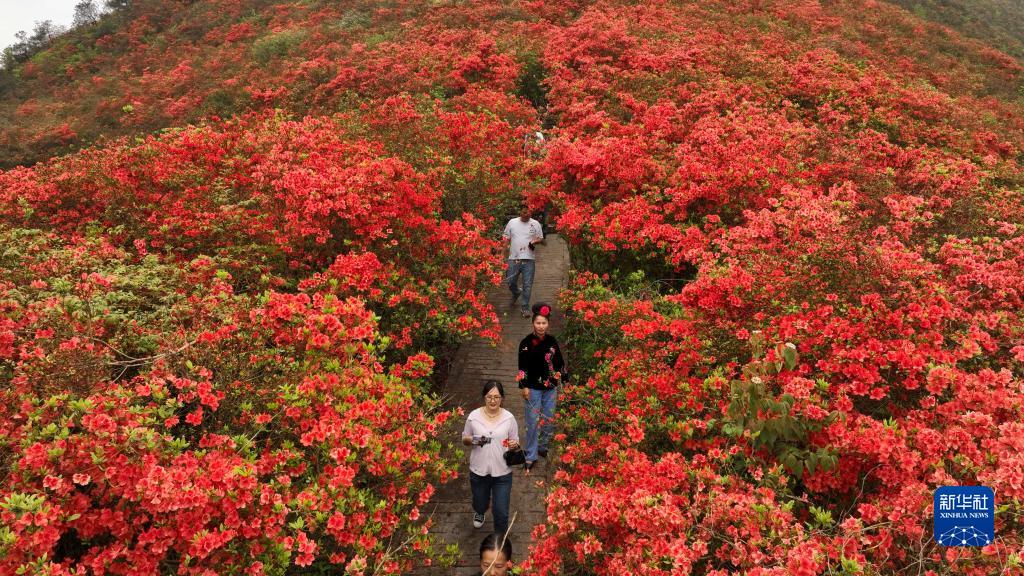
(477, 361)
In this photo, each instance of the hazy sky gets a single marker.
(18, 15)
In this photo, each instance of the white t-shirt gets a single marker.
(519, 234)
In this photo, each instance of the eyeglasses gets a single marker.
(492, 397)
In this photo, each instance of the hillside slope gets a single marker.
(798, 229)
(159, 64)
(999, 23)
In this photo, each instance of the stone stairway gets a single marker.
(474, 363)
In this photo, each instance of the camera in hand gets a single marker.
(481, 440)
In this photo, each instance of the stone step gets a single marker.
(475, 362)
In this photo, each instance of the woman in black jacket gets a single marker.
(541, 369)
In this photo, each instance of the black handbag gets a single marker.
(515, 457)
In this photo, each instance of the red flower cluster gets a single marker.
(212, 340)
(802, 315)
(228, 429)
(797, 224)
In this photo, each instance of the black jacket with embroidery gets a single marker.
(539, 361)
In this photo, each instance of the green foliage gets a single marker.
(224, 102)
(822, 517)
(619, 264)
(772, 425)
(851, 566)
(355, 19)
(996, 22)
(20, 504)
(136, 294)
(530, 83)
(279, 45)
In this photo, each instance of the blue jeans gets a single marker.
(540, 409)
(524, 268)
(501, 487)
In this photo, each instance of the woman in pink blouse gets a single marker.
(491, 430)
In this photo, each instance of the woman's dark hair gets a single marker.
(491, 385)
(541, 309)
(492, 542)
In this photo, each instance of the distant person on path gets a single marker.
(522, 233)
(491, 430)
(533, 144)
(495, 555)
(541, 369)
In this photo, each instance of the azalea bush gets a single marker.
(281, 203)
(759, 462)
(212, 430)
(153, 65)
(798, 309)
(218, 343)
(221, 340)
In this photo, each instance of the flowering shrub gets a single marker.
(797, 311)
(214, 338)
(801, 316)
(213, 430)
(213, 346)
(677, 460)
(153, 65)
(277, 200)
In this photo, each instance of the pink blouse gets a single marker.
(489, 459)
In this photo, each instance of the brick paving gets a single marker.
(475, 362)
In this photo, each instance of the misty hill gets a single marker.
(999, 23)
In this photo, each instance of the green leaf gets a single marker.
(789, 355)
(850, 566)
(821, 516)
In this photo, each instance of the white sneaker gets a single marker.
(478, 520)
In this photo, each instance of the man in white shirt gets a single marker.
(522, 233)
(533, 144)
